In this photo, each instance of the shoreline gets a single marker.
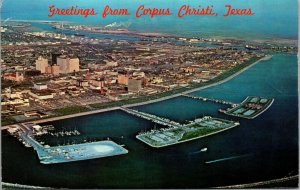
(260, 183)
(267, 57)
(264, 39)
(246, 185)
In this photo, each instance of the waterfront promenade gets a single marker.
(154, 100)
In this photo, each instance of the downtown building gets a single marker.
(41, 64)
(67, 64)
(134, 84)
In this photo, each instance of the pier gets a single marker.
(153, 118)
(232, 104)
(69, 153)
(178, 133)
(251, 107)
(201, 127)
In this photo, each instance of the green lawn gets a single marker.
(199, 132)
(70, 110)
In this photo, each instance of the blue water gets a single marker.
(271, 19)
(270, 141)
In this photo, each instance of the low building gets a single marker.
(40, 86)
(16, 102)
(41, 94)
(134, 84)
(82, 83)
(99, 83)
(138, 74)
(14, 77)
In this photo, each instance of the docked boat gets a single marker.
(77, 34)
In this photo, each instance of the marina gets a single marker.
(196, 129)
(66, 153)
(250, 108)
(76, 152)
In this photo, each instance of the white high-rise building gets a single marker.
(73, 65)
(67, 65)
(41, 64)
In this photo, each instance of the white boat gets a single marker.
(203, 149)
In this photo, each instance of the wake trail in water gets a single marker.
(197, 152)
(275, 88)
(228, 158)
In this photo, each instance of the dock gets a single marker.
(153, 118)
(201, 127)
(67, 153)
(251, 107)
(225, 102)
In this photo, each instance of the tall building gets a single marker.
(55, 70)
(134, 85)
(73, 65)
(48, 70)
(67, 64)
(41, 64)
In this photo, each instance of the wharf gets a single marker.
(153, 118)
(199, 128)
(211, 100)
(76, 152)
(251, 107)
(68, 153)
